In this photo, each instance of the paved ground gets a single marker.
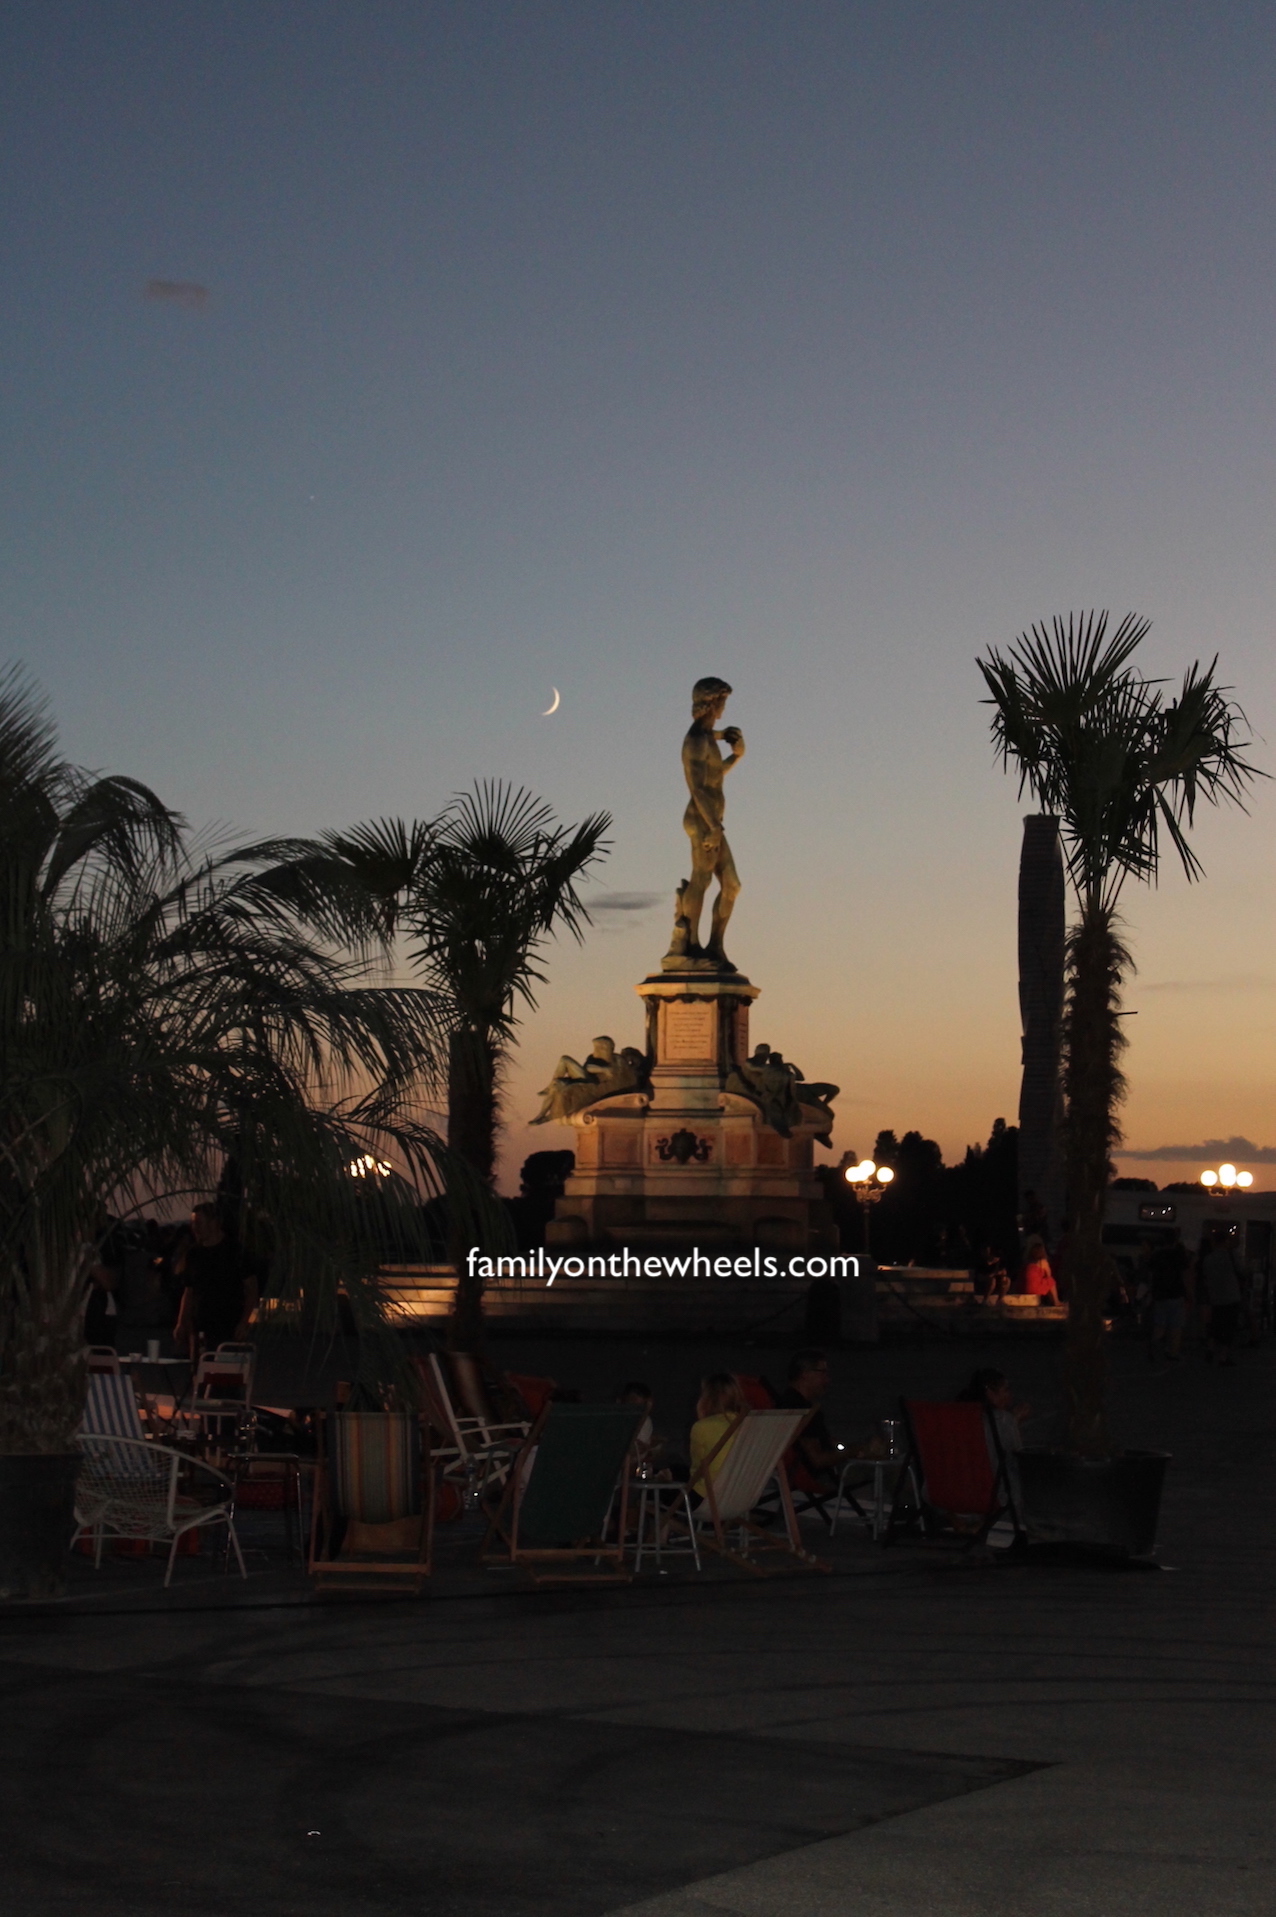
(911, 1735)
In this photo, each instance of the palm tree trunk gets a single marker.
(1094, 1088)
(471, 1134)
(1042, 941)
(41, 1380)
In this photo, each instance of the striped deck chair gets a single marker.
(373, 1517)
(956, 1463)
(750, 1456)
(554, 1509)
(111, 1409)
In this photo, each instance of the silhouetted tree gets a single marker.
(1102, 749)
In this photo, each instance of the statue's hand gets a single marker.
(733, 736)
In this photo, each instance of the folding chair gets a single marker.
(135, 1488)
(958, 1470)
(751, 1457)
(474, 1393)
(103, 1358)
(558, 1496)
(373, 1516)
(471, 1453)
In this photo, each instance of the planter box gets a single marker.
(1110, 1505)
(37, 1517)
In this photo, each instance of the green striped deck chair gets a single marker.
(373, 1517)
(554, 1508)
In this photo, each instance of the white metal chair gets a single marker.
(470, 1451)
(651, 1529)
(222, 1391)
(865, 1474)
(135, 1488)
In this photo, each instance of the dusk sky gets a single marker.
(603, 346)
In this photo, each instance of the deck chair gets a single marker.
(103, 1358)
(958, 1469)
(373, 1516)
(468, 1451)
(751, 1452)
(135, 1488)
(111, 1409)
(553, 1512)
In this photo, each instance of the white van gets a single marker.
(1134, 1218)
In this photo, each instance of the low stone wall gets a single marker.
(665, 1305)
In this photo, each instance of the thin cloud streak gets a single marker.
(185, 293)
(1239, 982)
(1235, 1151)
(626, 902)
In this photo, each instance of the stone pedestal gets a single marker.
(689, 1162)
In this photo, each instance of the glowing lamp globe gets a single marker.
(884, 1174)
(1209, 1180)
(1227, 1176)
(1245, 1179)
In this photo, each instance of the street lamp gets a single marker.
(868, 1181)
(1226, 1178)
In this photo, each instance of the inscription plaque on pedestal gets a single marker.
(691, 1032)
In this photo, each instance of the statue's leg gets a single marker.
(702, 864)
(728, 893)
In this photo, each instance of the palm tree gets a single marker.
(1121, 764)
(475, 895)
(162, 1008)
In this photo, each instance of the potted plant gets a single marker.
(162, 1008)
(1119, 763)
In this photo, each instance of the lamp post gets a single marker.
(868, 1181)
(1225, 1179)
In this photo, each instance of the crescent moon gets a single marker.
(556, 704)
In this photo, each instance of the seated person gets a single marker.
(992, 1280)
(814, 1461)
(991, 1389)
(637, 1393)
(1038, 1277)
(720, 1403)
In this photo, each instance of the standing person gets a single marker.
(101, 1308)
(1033, 1221)
(219, 1296)
(1221, 1289)
(1169, 1269)
(1038, 1277)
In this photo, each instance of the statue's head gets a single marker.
(706, 694)
(605, 1048)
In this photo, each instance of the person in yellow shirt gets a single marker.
(721, 1402)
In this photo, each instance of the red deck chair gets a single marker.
(958, 1468)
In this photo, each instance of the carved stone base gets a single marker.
(689, 1162)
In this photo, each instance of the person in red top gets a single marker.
(1038, 1278)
